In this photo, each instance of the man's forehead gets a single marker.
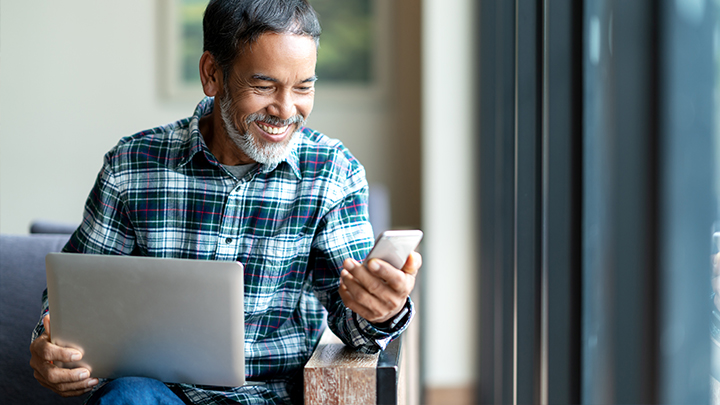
(251, 46)
(278, 57)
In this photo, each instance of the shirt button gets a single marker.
(228, 240)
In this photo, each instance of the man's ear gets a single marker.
(210, 75)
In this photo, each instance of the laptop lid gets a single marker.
(175, 320)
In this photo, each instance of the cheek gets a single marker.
(244, 106)
(240, 124)
(305, 107)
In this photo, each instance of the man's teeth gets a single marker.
(273, 130)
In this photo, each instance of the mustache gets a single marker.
(272, 120)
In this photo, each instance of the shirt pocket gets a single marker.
(274, 274)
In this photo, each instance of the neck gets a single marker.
(218, 141)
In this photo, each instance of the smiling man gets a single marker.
(244, 180)
(264, 102)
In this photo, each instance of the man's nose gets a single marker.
(283, 106)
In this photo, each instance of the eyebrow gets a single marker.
(272, 79)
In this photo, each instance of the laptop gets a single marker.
(175, 320)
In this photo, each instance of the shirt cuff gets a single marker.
(384, 334)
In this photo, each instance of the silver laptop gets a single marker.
(174, 320)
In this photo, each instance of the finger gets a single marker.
(79, 392)
(62, 380)
(359, 308)
(42, 355)
(345, 276)
(412, 264)
(353, 292)
(350, 301)
(395, 279)
(374, 281)
(65, 379)
(352, 283)
(50, 352)
(66, 382)
(51, 372)
(350, 263)
(71, 393)
(68, 389)
(373, 306)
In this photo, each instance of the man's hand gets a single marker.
(66, 382)
(377, 291)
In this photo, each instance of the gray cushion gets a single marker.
(42, 226)
(22, 281)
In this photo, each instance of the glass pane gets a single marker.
(346, 43)
(649, 200)
(596, 184)
(714, 291)
(688, 157)
(191, 15)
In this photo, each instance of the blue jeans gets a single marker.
(136, 390)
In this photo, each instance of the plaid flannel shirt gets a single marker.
(161, 193)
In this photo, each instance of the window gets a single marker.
(598, 160)
(348, 53)
(347, 42)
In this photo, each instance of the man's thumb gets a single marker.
(46, 324)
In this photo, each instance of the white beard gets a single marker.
(267, 153)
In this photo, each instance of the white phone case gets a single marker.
(395, 246)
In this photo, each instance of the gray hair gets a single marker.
(230, 25)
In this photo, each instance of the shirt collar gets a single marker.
(196, 143)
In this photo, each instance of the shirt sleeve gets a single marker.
(40, 328)
(105, 228)
(346, 232)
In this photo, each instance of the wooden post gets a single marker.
(339, 375)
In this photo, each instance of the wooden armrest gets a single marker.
(336, 374)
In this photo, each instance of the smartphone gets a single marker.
(395, 246)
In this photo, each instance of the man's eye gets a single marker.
(262, 88)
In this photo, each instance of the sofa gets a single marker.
(22, 280)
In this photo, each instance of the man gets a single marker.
(243, 180)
